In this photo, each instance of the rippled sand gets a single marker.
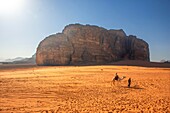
(84, 89)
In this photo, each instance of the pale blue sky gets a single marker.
(21, 32)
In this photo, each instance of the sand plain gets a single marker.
(84, 89)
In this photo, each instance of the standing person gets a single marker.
(129, 82)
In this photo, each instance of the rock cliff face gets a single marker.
(86, 44)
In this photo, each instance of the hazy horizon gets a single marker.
(25, 24)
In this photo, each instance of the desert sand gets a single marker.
(84, 89)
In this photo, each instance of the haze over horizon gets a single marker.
(25, 24)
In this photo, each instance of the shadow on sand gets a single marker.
(132, 87)
(121, 91)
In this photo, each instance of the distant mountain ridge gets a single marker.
(20, 60)
(14, 59)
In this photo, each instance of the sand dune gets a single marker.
(84, 89)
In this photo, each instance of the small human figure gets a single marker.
(116, 77)
(129, 82)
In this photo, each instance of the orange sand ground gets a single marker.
(84, 89)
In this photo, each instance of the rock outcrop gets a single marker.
(86, 44)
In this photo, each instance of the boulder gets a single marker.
(86, 44)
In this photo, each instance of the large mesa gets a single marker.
(85, 44)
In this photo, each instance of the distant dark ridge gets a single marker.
(141, 63)
(118, 63)
(16, 66)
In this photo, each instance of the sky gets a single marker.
(25, 24)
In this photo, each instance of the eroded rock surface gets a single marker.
(86, 44)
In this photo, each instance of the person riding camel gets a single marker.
(116, 77)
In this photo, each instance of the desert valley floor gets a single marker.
(84, 89)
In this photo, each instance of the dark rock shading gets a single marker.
(86, 44)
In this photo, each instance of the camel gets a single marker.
(117, 78)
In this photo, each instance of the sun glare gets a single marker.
(10, 6)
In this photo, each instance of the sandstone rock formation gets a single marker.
(86, 44)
